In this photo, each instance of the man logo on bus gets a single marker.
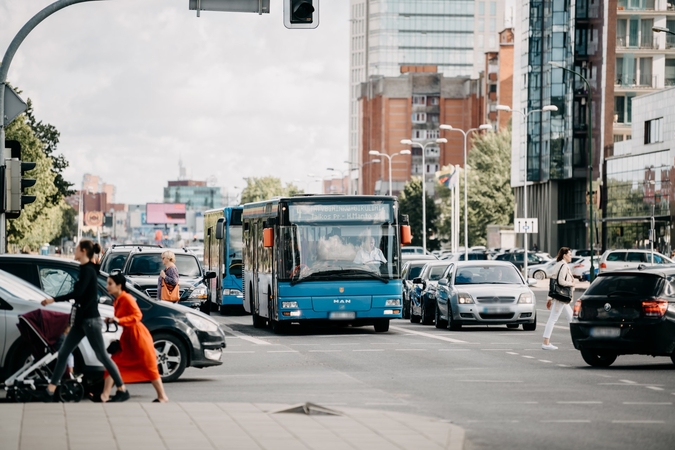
(341, 301)
(342, 290)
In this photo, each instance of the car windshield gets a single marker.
(151, 264)
(487, 275)
(414, 271)
(115, 261)
(436, 272)
(11, 286)
(643, 285)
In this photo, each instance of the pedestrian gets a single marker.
(535, 247)
(136, 358)
(85, 321)
(167, 283)
(559, 304)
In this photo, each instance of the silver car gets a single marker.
(485, 293)
(19, 297)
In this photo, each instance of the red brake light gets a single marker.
(578, 266)
(577, 308)
(603, 265)
(654, 308)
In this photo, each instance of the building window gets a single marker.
(481, 8)
(493, 25)
(434, 118)
(619, 109)
(433, 134)
(481, 25)
(419, 100)
(618, 138)
(654, 131)
(419, 117)
(480, 41)
(419, 134)
(492, 42)
(670, 72)
(493, 8)
(434, 101)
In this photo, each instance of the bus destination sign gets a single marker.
(366, 212)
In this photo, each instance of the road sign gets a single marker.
(527, 225)
(14, 105)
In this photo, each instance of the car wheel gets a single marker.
(426, 318)
(531, 326)
(596, 359)
(171, 356)
(406, 308)
(413, 317)
(540, 275)
(224, 309)
(452, 324)
(381, 326)
(512, 326)
(440, 323)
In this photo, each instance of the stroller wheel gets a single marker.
(19, 395)
(71, 391)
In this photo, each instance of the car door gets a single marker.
(55, 280)
(443, 290)
(615, 261)
(25, 270)
(634, 259)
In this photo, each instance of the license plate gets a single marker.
(342, 315)
(605, 332)
(488, 310)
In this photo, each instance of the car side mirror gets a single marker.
(443, 282)
(417, 280)
(209, 275)
(104, 300)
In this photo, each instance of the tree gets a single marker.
(411, 204)
(490, 196)
(265, 188)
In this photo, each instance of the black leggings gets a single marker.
(91, 328)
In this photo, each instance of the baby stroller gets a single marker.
(43, 331)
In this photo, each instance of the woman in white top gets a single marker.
(565, 279)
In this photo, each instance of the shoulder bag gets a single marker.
(560, 293)
(170, 293)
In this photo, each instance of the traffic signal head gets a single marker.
(15, 183)
(301, 13)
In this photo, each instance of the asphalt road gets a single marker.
(496, 383)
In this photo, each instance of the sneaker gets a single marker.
(549, 347)
(120, 396)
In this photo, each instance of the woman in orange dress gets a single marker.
(136, 358)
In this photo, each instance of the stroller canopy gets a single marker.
(49, 325)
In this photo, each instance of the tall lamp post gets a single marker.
(360, 169)
(466, 133)
(526, 116)
(389, 157)
(424, 182)
(589, 145)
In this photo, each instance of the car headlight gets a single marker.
(525, 298)
(234, 292)
(464, 299)
(199, 292)
(200, 323)
(289, 305)
(393, 302)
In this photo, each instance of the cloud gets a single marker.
(132, 86)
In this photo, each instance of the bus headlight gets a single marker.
(200, 323)
(393, 302)
(233, 292)
(199, 292)
(289, 305)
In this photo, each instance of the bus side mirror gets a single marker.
(268, 237)
(220, 228)
(209, 275)
(406, 235)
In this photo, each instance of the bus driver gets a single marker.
(369, 254)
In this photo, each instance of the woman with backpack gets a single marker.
(558, 302)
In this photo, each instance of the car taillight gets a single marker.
(603, 265)
(577, 266)
(577, 308)
(654, 308)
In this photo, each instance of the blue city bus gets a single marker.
(222, 254)
(323, 258)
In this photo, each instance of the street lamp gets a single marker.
(526, 116)
(485, 126)
(389, 157)
(589, 144)
(660, 30)
(424, 183)
(360, 169)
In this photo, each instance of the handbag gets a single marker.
(560, 293)
(114, 347)
(170, 293)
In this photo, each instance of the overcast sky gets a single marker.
(133, 85)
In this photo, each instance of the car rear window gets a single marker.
(414, 272)
(616, 256)
(187, 265)
(436, 272)
(115, 261)
(636, 285)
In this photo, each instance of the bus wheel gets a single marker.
(258, 322)
(382, 326)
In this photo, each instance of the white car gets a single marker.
(583, 265)
(19, 297)
(629, 259)
(543, 271)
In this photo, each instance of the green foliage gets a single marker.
(410, 203)
(265, 188)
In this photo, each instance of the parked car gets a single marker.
(420, 306)
(18, 297)
(546, 270)
(411, 270)
(116, 256)
(484, 293)
(581, 266)
(629, 259)
(414, 249)
(518, 259)
(183, 337)
(416, 256)
(626, 312)
(473, 255)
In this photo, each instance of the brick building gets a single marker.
(499, 81)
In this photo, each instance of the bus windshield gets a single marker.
(235, 251)
(353, 251)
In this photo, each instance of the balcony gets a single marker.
(649, 43)
(631, 82)
(669, 82)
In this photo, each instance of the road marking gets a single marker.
(305, 344)
(282, 351)
(368, 350)
(238, 351)
(580, 402)
(490, 381)
(647, 403)
(624, 384)
(495, 349)
(638, 421)
(545, 361)
(453, 349)
(563, 365)
(511, 353)
(411, 349)
(430, 335)
(325, 351)
(243, 336)
(628, 381)
(348, 343)
(654, 388)
(528, 357)
(566, 421)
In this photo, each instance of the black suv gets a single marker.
(183, 338)
(627, 312)
(116, 256)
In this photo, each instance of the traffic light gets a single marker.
(16, 183)
(301, 13)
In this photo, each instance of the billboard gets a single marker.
(163, 213)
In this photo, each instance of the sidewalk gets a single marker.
(580, 285)
(196, 426)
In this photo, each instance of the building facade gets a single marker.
(195, 194)
(498, 79)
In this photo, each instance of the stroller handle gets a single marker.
(107, 327)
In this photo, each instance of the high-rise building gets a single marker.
(389, 34)
(195, 194)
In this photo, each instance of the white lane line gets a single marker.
(453, 349)
(243, 336)
(305, 344)
(282, 351)
(528, 357)
(639, 421)
(238, 351)
(624, 384)
(545, 361)
(512, 353)
(430, 335)
(495, 349)
(566, 421)
(348, 343)
(410, 349)
(468, 368)
(490, 381)
(628, 381)
(654, 388)
(325, 351)
(368, 350)
(580, 402)
(563, 365)
(648, 403)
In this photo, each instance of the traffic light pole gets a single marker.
(4, 69)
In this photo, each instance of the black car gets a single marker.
(629, 312)
(518, 259)
(116, 256)
(410, 271)
(183, 337)
(422, 306)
